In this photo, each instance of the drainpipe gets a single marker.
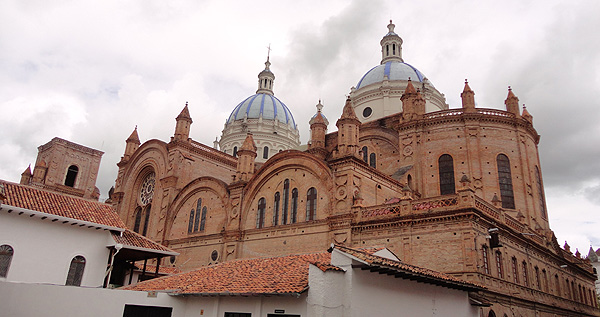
(118, 247)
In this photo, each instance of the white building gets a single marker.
(53, 238)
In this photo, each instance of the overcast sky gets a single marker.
(90, 71)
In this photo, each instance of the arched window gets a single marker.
(286, 200)
(147, 219)
(266, 152)
(491, 314)
(525, 275)
(234, 151)
(260, 215)
(71, 176)
(545, 280)
(203, 219)
(515, 271)
(387, 50)
(409, 180)
(276, 209)
(446, 171)
(294, 216)
(373, 160)
(6, 255)
(486, 262)
(505, 182)
(311, 204)
(365, 153)
(138, 219)
(197, 217)
(542, 201)
(499, 267)
(393, 49)
(537, 278)
(557, 284)
(191, 223)
(76, 271)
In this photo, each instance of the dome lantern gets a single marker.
(391, 46)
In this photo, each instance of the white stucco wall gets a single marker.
(364, 293)
(25, 300)
(43, 250)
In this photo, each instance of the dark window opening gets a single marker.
(276, 209)
(365, 153)
(75, 274)
(505, 182)
(373, 160)
(387, 50)
(191, 222)
(393, 49)
(138, 219)
(6, 255)
(515, 271)
(260, 216)
(499, 268)
(238, 314)
(203, 219)
(266, 152)
(286, 198)
(446, 171)
(197, 217)
(146, 311)
(367, 112)
(525, 275)
(294, 216)
(147, 220)
(311, 204)
(71, 176)
(235, 151)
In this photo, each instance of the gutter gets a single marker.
(55, 218)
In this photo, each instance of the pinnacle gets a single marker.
(134, 136)
(249, 144)
(185, 113)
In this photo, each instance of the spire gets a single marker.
(348, 130)
(318, 129)
(512, 103)
(182, 127)
(131, 145)
(526, 115)
(391, 46)
(133, 137)
(266, 77)
(246, 157)
(592, 256)
(468, 98)
(26, 176)
(413, 102)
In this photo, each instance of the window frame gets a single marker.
(446, 174)
(76, 271)
(507, 195)
(7, 253)
(311, 204)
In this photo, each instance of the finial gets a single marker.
(524, 107)
(186, 103)
(391, 27)
(509, 88)
(319, 106)
(466, 81)
(268, 51)
(135, 127)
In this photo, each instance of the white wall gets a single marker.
(25, 300)
(43, 250)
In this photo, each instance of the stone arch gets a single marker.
(303, 170)
(178, 211)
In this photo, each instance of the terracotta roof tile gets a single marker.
(132, 239)
(326, 266)
(31, 198)
(150, 268)
(278, 275)
(410, 270)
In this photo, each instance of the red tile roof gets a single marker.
(134, 240)
(163, 270)
(272, 276)
(383, 265)
(32, 198)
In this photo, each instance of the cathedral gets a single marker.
(458, 191)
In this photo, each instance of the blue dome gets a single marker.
(394, 70)
(268, 105)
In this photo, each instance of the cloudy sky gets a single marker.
(90, 71)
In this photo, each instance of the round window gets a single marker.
(367, 112)
(214, 255)
(147, 189)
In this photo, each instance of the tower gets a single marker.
(182, 128)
